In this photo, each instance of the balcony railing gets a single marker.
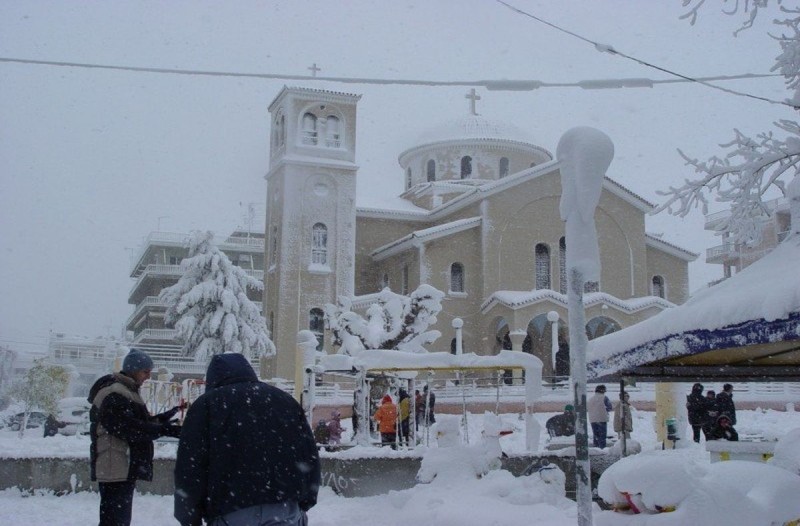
(770, 205)
(257, 242)
(720, 251)
(149, 301)
(151, 270)
(155, 334)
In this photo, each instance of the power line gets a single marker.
(491, 85)
(605, 48)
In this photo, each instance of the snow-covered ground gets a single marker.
(453, 498)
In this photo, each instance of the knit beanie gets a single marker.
(136, 360)
(386, 399)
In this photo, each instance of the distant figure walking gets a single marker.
(697, 408)
(429, 404)
(335, 428)
(598, 407)
(725, 404)
(419, 409)
(622, 412)
(404, 407)
(711, 412)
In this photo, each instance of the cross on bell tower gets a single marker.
(313, 68)
(473, 98)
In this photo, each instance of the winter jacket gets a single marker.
(386, 416)
(725, 406)
(719, 432)
(244, 443)
(626, 409)
(404, 407)
(335, 431)
(122, 430)
(562, 425)
(598, 407)
(697, 407)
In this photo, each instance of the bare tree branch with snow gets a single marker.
(209, 306)
(750, 166)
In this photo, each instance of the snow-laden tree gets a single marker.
(209, 307)
(7, 358)
(41, 388)
(750, 166)
(392, 322)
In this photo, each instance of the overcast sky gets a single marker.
(93, 160)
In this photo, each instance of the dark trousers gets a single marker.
(696, 432)
(116, 500)
(388, 439)
(599, 433)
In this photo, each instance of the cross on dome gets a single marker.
(473, 97)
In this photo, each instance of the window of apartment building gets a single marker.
(316, 324)
(542, 260)
(456, 277)
(309, 129)
(175, 260)
(466, 167)
(658, 286)
(431, 170)
(404, 283)
(319, 244)
(503, 167)
(562, 265)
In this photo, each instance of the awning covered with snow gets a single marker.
(746, 328)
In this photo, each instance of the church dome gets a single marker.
(473, 127)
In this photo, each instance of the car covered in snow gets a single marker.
(74, 412)
(35, 419)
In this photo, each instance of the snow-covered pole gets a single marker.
(307, 348)
(584, 155)
(362, 405)
(552, 317)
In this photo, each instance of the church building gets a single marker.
(478, 220)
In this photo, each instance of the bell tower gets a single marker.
(311, 214)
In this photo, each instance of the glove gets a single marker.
(171, 430)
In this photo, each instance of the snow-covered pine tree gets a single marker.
(751, 166)
(41, 388)
(209, 307)
(394, 321)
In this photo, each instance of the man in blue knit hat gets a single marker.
(122, 433)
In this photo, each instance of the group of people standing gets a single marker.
(392, 418)
(598, 408)
(246, 454)
(713, 414)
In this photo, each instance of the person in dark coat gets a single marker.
(52, 425)
(562, 425)
(723, 430)
(711, 412)
(429, 406)
(246, 455)
(122, 433)
(725, 404)
(697, 407)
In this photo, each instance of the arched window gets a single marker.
(453, 346)
(658, 286)
(591, 286)
(466, 167)
(384, 281)
(282, 131)
(562, 265)
(431, 169)
(404, 284)
(539, 342)
(542, 266)
(332, 132)
(271, 325)
(600, 326)
(310, 129)
(503, 167)
(319, 244)
(456, 277)
(316, 324)
(408, 178)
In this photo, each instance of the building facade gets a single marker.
(478, 220)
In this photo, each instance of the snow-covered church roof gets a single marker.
(473, 127)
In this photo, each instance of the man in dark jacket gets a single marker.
(247, 455)
(562, 425)
(725, 404)
(697, 407)
(122, 433)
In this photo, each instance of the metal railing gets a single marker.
(257, 242)
(148, 301)
(155, 269)
(155, 334)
